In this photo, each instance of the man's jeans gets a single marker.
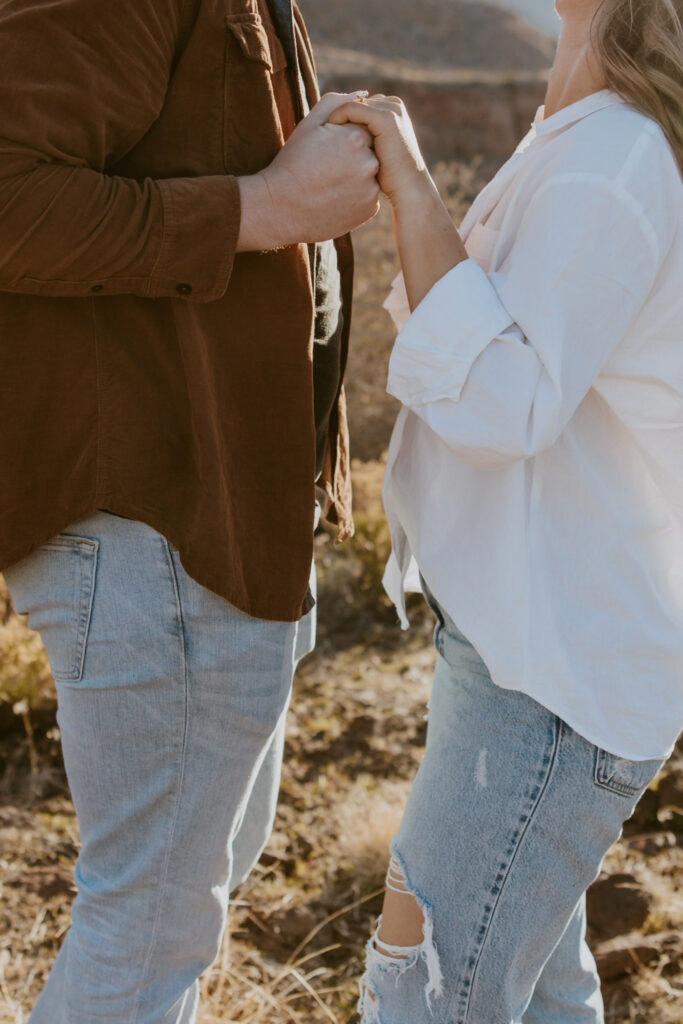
(172, 707)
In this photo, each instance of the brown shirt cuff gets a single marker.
(200, 235)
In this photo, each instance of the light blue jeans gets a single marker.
(172, 708)
(507, 824)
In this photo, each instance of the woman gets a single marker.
(535, 476)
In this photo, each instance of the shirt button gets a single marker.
(184, 289)
(97, 288)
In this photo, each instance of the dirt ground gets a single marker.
(356, 735)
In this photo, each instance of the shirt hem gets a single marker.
(292, 611)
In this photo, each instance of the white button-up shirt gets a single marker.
(535, 472)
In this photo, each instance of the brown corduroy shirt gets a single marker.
(145, 368)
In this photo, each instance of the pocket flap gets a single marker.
(250, 32)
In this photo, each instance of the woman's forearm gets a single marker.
(428, 241)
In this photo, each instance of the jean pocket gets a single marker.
(621, 776)
(432, 604)
(55, 586)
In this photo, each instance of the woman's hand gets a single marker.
(428, 242)
(403, 170)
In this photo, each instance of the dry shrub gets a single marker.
(25, 677)
(368, 821)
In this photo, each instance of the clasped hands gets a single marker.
(327, 179)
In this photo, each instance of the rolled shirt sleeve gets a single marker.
(82, 83)
(496, 364)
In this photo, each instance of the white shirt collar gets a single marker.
(574, 112)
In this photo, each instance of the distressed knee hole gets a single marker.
(402, 924)
(404, 938)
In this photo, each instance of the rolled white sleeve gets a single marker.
(428, 363)
(496, 364)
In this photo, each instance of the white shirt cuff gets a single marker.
(451, 327)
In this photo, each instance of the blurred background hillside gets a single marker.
(540, 13)
(451, 34)
(472, 74)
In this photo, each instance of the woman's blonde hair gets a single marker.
(640, 46)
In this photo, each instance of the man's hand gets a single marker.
(403, 169)
(321, 185)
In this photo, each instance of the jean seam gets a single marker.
(176, 812)
(616, 789)
(86, 599)
(518, 840)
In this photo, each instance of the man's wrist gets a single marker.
(262, 225)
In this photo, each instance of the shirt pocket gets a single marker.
(621, 776)
(55, 587)
(255, 82)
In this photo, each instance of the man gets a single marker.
(172, 348)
